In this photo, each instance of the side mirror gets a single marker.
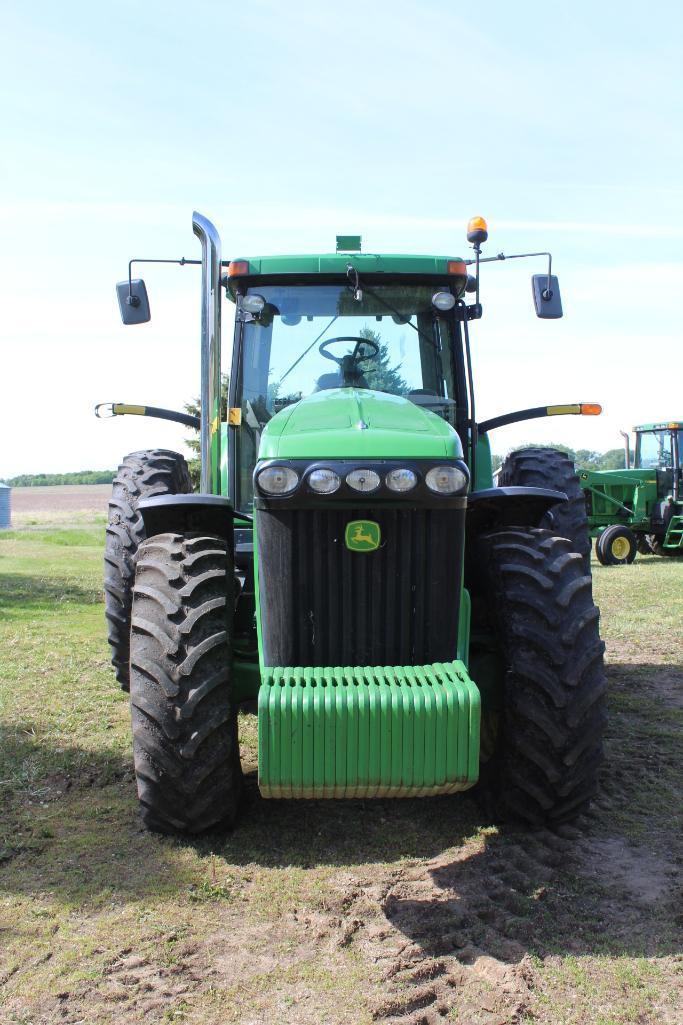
(546, 299)
(133, 301)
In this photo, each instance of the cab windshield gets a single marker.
(655, 450)
(294, 340)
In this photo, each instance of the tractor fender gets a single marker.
(182, 514)
(510, 506)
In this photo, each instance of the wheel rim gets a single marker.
(620, 547)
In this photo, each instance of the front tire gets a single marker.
(155, 471)
(550, 468)
(616, 546)
(550, 728)
(185, 743)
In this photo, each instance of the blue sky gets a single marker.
(289, 123)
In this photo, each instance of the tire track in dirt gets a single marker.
(133, 985)
(452, 933)
(147, 986)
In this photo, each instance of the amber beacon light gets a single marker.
(477, 230)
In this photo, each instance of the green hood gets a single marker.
(345, 423)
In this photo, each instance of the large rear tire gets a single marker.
(185, 743)
(549, 731)
(155, 471)
(550, 468)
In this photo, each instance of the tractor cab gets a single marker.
(659, 446)
(366, 343)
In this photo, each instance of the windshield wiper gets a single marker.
(306, 351)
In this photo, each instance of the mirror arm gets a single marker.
(513, 256)
(133, 300)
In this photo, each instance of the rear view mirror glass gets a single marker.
(546, 299)
(133, 301)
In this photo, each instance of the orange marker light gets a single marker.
(456, 267)
(237, 267)
(591, 409)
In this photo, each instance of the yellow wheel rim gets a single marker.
(620, 547)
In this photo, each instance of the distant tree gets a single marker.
(378, 372)
(194, 408)
(585, 458)
(41, 480)
(614, 459)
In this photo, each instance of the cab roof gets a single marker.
(667, 425)
(337, 263)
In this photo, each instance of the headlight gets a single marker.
(325, 482)
(277, 480)
(445, 480)
(363, 480)
(443, 301)
(400, 480)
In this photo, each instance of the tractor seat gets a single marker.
(327, 381)
(333, 380)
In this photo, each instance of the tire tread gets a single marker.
(142, 474)
(551, 736)
(185, 743)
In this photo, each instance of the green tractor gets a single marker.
(348, 570)
(639, 508)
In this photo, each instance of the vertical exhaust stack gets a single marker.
(210, 421)
(627, 449)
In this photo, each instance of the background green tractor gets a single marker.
(639, 508)
(349, 570)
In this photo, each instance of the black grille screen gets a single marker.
(323, 605)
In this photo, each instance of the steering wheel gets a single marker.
(353, 356)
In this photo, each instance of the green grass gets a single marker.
(275, 921)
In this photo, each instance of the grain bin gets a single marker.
(5, 505)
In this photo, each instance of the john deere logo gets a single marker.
(363, 535)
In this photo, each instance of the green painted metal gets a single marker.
(620, 496)
(349, 243)
(357, 422)
(464, 620)
(666, 425)
(364, 263)
(673, 541)
(225, 443)
(483, 466)
(368, 731)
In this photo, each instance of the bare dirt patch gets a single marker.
(58, 504)
(634, 872)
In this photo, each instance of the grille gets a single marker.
(323, 605)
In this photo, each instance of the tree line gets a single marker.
(584, 458)
(39, 480)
